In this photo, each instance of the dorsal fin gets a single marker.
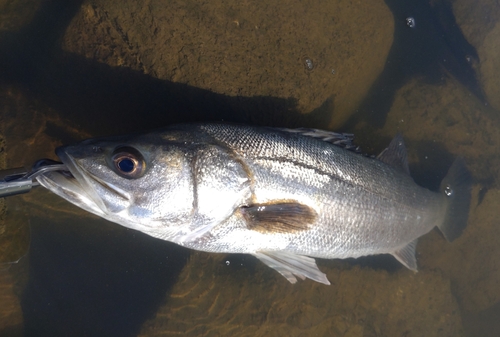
(395, 154)
(343, 140)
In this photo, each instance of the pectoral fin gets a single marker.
(288, 217)
(406, 255)
(292, 266)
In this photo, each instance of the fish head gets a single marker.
(142, 182)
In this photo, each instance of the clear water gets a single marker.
(73, 70)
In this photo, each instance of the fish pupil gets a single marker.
(126, 165)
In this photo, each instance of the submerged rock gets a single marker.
(244, 49)
(480, 22)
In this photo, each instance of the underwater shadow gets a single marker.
(84, 281)
(107, 100)
(432, 49)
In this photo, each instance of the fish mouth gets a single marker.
(74, 185)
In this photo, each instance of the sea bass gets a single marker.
(284, 196)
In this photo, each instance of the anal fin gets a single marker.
(292, 266)
(406, 255)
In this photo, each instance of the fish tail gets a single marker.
(456, 187)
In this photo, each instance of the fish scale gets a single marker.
(284, 196)
(381, 193)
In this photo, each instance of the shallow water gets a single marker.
(70, 70)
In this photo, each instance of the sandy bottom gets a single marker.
(212, 299)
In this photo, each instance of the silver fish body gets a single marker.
(281, 195)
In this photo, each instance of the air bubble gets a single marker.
(309, 64)
(410, 22)
(448, 191)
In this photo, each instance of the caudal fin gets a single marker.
(456, 187)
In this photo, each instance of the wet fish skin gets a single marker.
(280, 195)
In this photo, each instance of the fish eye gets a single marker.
(128, 162)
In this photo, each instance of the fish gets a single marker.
(285, 196)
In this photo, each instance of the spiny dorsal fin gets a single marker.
(406, 255)
(286, 217)
(343, 140)
(395, 154)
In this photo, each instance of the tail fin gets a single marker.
(456, 187)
